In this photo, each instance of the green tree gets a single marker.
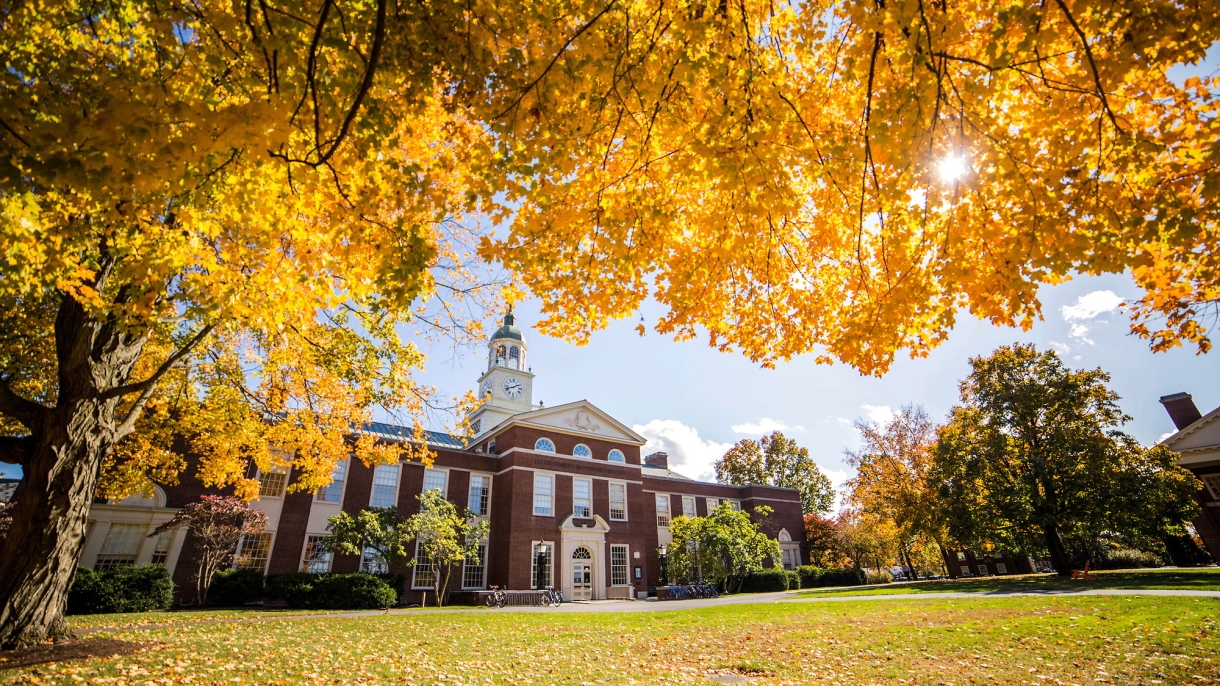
(721, 548)
(1034, 453)
(446, 539)
(776, 460)
(381, 529)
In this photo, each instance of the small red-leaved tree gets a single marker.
(218, 523)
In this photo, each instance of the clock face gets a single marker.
(513, 387)
(486, 389)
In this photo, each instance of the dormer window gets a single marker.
(545, 445)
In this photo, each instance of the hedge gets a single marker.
(349, 592)
(770, 581)
(291, 587)
(236, 587)
(122, 589)
(816, 577)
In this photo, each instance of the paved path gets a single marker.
(694, 604)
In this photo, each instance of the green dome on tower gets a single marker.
(508, 330)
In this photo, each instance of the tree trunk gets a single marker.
(50, 516)
(60, 459)
(1058, 553)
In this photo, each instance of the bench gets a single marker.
(1083, 573)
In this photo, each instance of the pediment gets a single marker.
(582, 418)
(1205, 433)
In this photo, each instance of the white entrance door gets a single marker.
(582, 574)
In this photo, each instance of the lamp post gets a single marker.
(664, 566)
(541, 564)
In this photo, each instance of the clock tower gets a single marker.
(507, 386)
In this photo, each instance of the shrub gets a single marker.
(293, 588)
(1128, 558)
(396, 582)
(236, 587)
(882, 577)
(123, 589)
(766, 581)
(351, 592)
(794, 580)
(817, 577)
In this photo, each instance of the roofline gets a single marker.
(518, 419)
(1194, 426)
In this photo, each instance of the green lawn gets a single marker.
(132, 619)
(1049, 640)
(1206, 579)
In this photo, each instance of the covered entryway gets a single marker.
(582, 574)
(580, 561)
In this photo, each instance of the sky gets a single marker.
(693, 402)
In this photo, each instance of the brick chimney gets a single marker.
(1181, 409)
(658, 460)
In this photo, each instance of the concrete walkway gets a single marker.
(672, 605)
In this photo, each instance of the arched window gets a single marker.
(616, 455)
(545, 445)
(582, 450)
(514, 357)
(784, 535)
(582, 553)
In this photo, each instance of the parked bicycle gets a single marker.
(497, 597)
(551, 597)
(689, 591)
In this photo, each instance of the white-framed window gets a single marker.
(474, 574)
(582, 450)
(422, 574)
(618, 501)
(965, 570)
(961, 556)
(544, 494)
(272, 484)
(121, 546)
(582, 498)
(663, 510)
(333, 492)
(712, 503)
(315, 560)
(253, 551)
(436, 480)
(982, 570)
(688, 506)
(1001, 568)
(786, 558)
(371, 562)
(385, 486)
(1213, 484)
(165, 539)
(616, 455)
(735, 504)
(541, 557)
(480, 495)
(546, 445)
(618, 566)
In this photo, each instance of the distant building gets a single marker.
(7, 488)
(571, 501)
(1198, 442)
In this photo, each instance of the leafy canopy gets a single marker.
(721, 548)
(380, 528)
(776, 460)
(1034, 452)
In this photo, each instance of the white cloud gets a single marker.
(764, 426)
(1080, 332)
(838, 477)
(1165, 435)
(1091, 305)
(879, 414)
(688, 453)
(1061, 347)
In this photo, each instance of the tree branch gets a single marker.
(23, 410)
(1088, 52)
(16, 449)
(171, 362)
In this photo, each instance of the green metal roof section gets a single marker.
(508, 330)
(662, 472)
(391, 432)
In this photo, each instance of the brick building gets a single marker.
(570, 499)
(1198, 442)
